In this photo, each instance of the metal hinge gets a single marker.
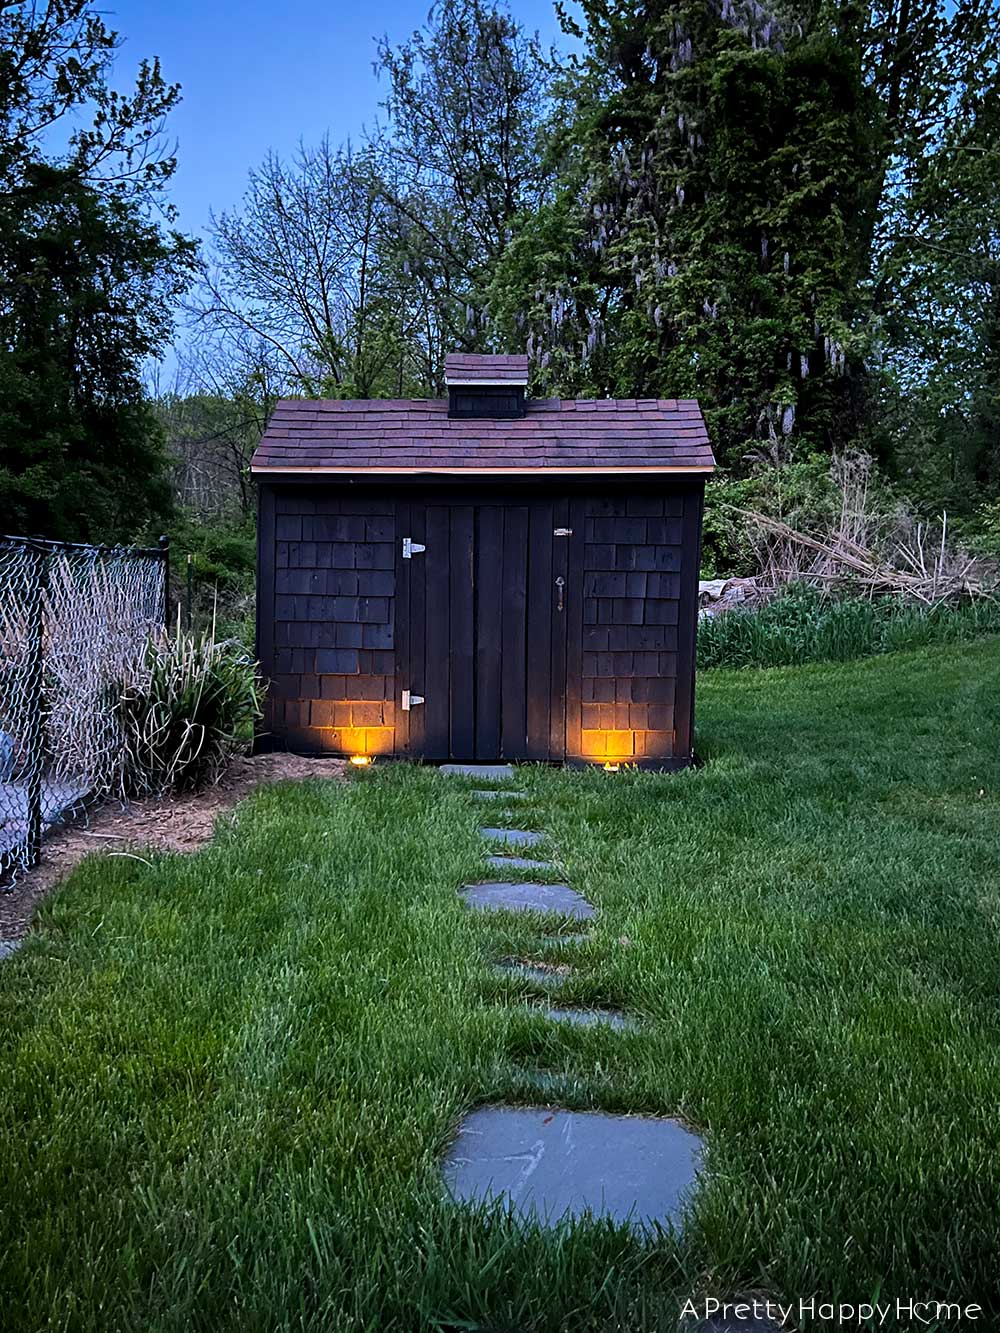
(562, 532)
(411, 700)
(411, 548)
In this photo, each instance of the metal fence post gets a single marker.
(164, 544)
(34, 690)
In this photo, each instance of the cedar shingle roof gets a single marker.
(417, 435)
(475, 368)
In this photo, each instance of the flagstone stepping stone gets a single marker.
(7, 947)
(743, 1315)
(488, 794)
(549, 1164)
(545, 973)
(514, 837)
(510, 896)
(488, 772)
(517, 863)
(590, 1018)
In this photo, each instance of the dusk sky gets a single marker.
(258, 75)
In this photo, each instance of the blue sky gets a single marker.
(259, 75)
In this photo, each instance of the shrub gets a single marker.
(191, 712)
(806, 625)
(801, 492)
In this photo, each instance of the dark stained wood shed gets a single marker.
(483, 577)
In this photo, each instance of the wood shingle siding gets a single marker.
(332, 608)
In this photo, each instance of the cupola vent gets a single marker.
(485, 386)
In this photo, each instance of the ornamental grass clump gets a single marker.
(189, 714)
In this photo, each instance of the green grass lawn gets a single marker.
(226, 1080)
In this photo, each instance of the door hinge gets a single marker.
(412, 548)
(411, 700)
(562, 532)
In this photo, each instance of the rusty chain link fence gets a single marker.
(74, 625)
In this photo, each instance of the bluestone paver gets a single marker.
(509, 896)
(550, 1164)
(589, 1018)
(546, 974)
(514, 837)
(498, 794)
(487, 772)
(7, 947)
(517, 863)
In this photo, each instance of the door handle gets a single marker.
(560, 584)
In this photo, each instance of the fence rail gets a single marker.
(74, 624)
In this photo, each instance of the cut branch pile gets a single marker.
(867, 550)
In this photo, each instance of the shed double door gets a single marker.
(481, 647)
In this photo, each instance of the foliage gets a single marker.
(935, 251)
(192, 710)
(222, 559)
(467, 105)
(210, 437)
(982, 531)
(88, 279)
(801, 492)
(254, 1058)
(713, 167)
(804, 625)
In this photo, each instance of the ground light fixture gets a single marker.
(361, 760)
(612, 766)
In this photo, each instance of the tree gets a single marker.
(704, 238)
(356, 270)
(306, 269)
(467, 106)
(934, 261)
(88, 279)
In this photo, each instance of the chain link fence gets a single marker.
(74, 625)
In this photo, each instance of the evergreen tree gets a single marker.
(88, 281)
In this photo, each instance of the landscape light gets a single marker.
(612, 766)
(361, 760)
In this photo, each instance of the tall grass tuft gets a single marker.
(192, 712)
(806, 625)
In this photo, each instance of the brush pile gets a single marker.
(868, 549)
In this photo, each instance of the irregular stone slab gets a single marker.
(497, 794)
(514, 837)
(517, 863)
(551, 1164)
(7, 947)
(488, 772)
(736, 1315)
(543, 973)
(509, 896)
(590, 1018)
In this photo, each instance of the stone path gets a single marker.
(547, 1162)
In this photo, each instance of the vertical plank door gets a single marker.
(485, 640)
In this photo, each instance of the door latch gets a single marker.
(411, 700)
(562, 532)
(412, 548)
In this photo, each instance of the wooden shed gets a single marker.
(483, 577)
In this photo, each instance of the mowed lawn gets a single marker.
(226, 1080)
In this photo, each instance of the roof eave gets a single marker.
(683, 469)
